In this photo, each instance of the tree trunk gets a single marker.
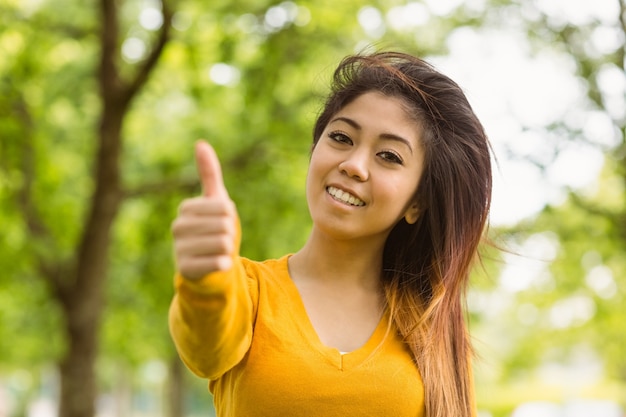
(175, 394)
(83, 302)
(80, 287)
(78, 382)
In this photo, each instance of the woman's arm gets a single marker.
(211, 320)
(211, 314)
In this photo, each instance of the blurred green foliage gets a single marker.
(249, 77)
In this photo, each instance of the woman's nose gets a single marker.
(356, 165)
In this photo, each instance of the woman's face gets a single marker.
(365, 169)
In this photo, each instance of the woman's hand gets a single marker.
(205, 230)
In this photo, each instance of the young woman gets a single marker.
(367, 318)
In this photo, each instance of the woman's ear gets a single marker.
(412, 213)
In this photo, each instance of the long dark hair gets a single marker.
(426, 265)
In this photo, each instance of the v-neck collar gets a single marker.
(343, 361)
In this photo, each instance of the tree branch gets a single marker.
(166, 186)
(40, 234)
(56, 273)
(150, 62)
(109, 74)
(595, 209)
(35, 225)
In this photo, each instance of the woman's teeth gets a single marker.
(345, 197)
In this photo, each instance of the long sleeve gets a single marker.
(283, 369)
(211, 320)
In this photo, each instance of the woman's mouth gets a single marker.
(344, 197)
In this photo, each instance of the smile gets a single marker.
(344, 197)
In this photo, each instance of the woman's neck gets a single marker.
(342, 263)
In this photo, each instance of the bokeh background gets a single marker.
(101, 102)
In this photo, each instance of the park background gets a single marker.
(101, 102)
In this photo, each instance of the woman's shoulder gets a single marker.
(268, 268)
(267, 279)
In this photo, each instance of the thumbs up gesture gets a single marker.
(205, 229)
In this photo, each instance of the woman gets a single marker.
(367, 317)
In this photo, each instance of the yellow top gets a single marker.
(247, 331)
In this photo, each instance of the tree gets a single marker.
(99, 139)
(74, 267)
(571, 308)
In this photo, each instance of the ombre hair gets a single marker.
(426, 265)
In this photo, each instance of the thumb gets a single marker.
(210, 171)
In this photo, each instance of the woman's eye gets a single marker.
(340, 137)
(390, 156)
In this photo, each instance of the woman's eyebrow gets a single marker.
(386, 136)
(347, 120)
